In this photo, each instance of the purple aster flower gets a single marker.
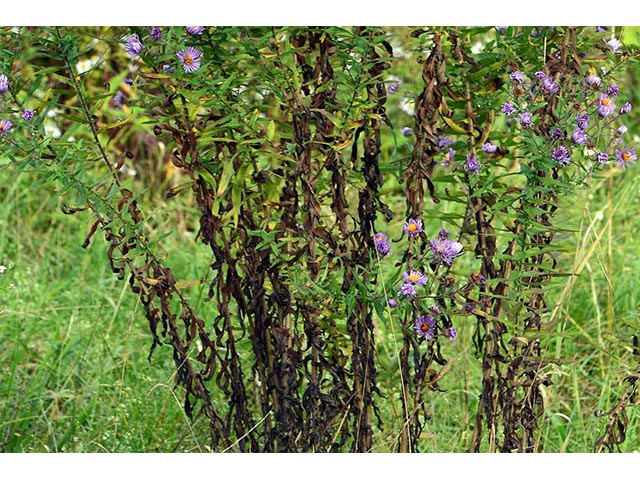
(508, 108)
(626, 108)
(412, 227)
(622, 129)
(406, 131)
(601, 29)
(451, 333)
(190, 58)
(194, 30)
(443, 233)
(489, 147)
(469, 306)
(128, 81)
(549, 87)
(557, 134)
(156, 33)
(540, 75)
(444, 141)
(561, 155)
(593, 80)
(4, 84)
(625, 157)
(525, 120)
(449, 158)
(414, 278)
(118, 98)
(517, 77)
(614, 45)
(133, 46)
(393, 302)
(579, 137)
(445, 250)
(393, 87)
(435, 310)
(425, 326)
(613, 90)
(407, 289)
(473, 165)
(605, 105)
(5, 126)
(602, 157)
(582, 121)
(382, 243)
(28, 114)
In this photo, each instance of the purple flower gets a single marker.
(517, 77)
(593, 80)
(525, 120)
(128, 81)
(190, 58)
(501, 29)
(194, 30)
(412, 227)
(117, 100)
(407, 289)
(4, 84)
(625, 157)
(561, 155)
(156, 33)
(557, 134)
(5, 126)
(444, 141)
(134, 46)
(626, 108)
(393, 302)
(382, 243)
(393, 87)
(601, 29)
(473, 165)
(445, 250)
(578, 137)
(406, 131)
(549, 87)
(508, 108)
(582, 121)
(602, 157)
(415, 278)
(605, 105)
(469, 306)
(435, 310)
(443, 233)
(613, 90)
(451, 333)
(28, 114)
(540, 75)
(425, 326)
(449, 158)
(614, 45)
(622, 129)
(489, 147)
(167, 69)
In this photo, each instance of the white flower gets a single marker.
(3, 269)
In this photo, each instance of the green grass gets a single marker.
(74, 373)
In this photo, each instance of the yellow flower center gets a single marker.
(605, 101)
(414, 277)
(412, 227)
(188, 60)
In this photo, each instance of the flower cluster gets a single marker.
(190, 57)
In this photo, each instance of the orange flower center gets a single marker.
(605, 101)
(414, 277)
(412, 227)
(424, 327)
(188, 60)
(626, 156)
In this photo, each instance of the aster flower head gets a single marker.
(133, 45)
(525, 120)
(194, 30)
(449, 158)
(190, 58)
(408, 289)
(451, 333)
(626, 108)
(406, 131)
(473, 165)
(156, 33)
(382, 243)
(557, 134)
(613, 90)
(579, 137)
(118, 98)
(5, 125)
(128, 81)
(435, 310)
(28, 114)
(606, 106)
(489, 147)
(508, 108)
(393, 87)
(414, 278)
(540, 75)
(582, 120)
(602, 157)
(412, 227)
(425, 326)
(517, 77)
(443, 233)
(4, 84)
(561, 155)
(392, 302)
(622, 129)
(444, 141)
(593, 80)
(614, 45)
(625, 157)
(549, 87)
(445, 250)
(601, 29)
